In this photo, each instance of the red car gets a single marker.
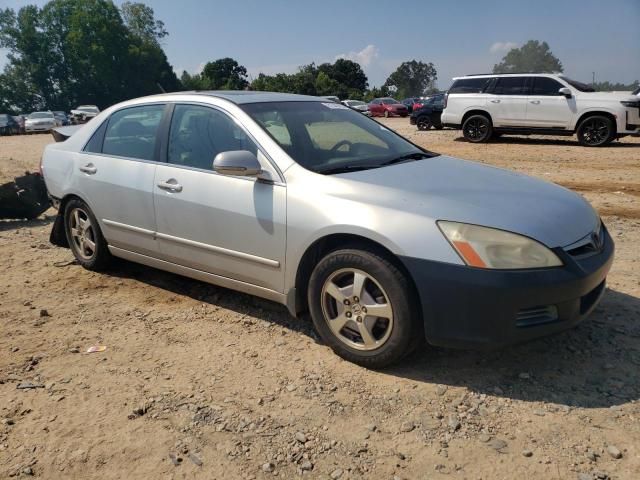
(387, 107)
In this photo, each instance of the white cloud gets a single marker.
(364, 57)
(503, 47)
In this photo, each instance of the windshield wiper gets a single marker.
(409, 157)
(347, 168)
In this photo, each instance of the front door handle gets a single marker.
(89, 169)
(495, 101)
(535, 102)
(170, 185)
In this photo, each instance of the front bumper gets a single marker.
(465, 307)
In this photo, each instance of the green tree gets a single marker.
(608, 86)
(78, 51)
(140, 20)
(412, 78)
(224, 74)
(347, 73)
(532, 57)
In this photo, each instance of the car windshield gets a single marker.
(583, 87)
(355, 103)
(41, 115)
(4, 117)
(331, 138)
(636, 91)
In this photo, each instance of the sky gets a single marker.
(459, 37)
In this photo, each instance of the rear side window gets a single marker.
(95, 144)
(470, 85)
(132, 132)
(511, 86)
(199, 133)
(545, 86)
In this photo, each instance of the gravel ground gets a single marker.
(203, 382)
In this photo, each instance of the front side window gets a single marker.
(132, 132)
(327, 138)
(546, 86)
(510, 86)
(199, 133)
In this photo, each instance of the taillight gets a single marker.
(41, 158)
(446, 97)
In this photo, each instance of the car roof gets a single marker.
(246, 96)
(521, 74)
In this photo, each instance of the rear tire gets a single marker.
(477, 129)
(596, 131)
(424, 123)
(345, 288)
(85, 237)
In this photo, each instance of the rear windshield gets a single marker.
(470, 85)
(323, 136)
(583, 87)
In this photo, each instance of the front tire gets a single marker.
(596, 131)
(386, 114)
(477, 129)
(363, 307)
(85, 237)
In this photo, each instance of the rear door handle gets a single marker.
(495, 101)
(170, 185)
(535, 102)
(89, 169)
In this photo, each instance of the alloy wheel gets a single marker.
(595, 131)
(476, 129)
(357, 309)
(82, 233)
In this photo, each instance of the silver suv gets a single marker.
(308, 203)
(487, 106)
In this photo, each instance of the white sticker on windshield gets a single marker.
(335, 106)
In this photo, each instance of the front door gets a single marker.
(229, 226)
(546, 107)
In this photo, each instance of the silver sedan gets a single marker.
(308, 203)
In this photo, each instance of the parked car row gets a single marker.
(45, 121)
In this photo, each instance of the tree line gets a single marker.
(72, 52)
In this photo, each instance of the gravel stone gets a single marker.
(614, 452)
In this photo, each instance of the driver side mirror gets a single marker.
(565, 91)
(242, 163)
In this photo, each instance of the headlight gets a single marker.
(485, 247)
(631, 103)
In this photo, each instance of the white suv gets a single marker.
(486, 106)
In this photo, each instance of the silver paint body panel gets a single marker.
(251, 234)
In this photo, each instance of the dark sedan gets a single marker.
(8, 125)
(429, 114)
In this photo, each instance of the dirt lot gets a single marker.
(228, 386)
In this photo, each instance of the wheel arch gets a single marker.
(335, 241)
(596, 112)
(476, 111)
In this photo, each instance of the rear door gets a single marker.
(546, 107)
(234, 227)
(115, 175)
(507, 102)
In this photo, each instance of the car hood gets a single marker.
(447, 188)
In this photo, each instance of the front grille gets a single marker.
(588, 300)
(529, 317)
(587, 246)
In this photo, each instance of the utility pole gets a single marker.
(593, 81)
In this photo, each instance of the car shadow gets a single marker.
(41, 221)
(568, 142)
(594, 365)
